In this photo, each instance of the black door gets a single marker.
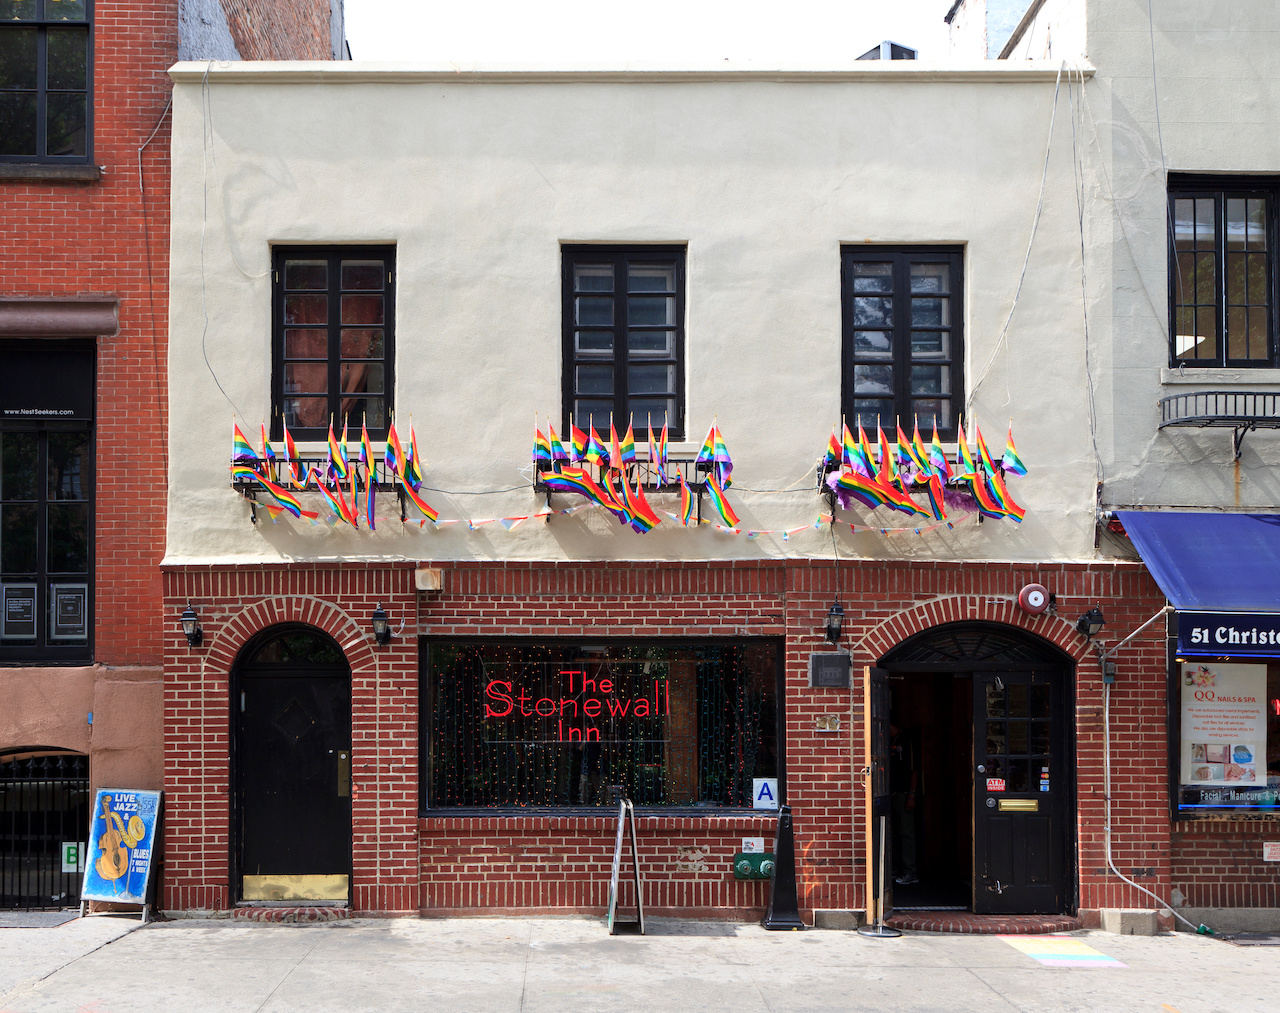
(293, 770)
(879, 842)
(1020, 784)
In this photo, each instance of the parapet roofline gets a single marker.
(367, 72)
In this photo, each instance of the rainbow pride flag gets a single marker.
(615, 451)
(919, 454)
(938, 457)
(393, 457)
(575, 480)
(906, 453)
(282, 497)
(241, 448)
(268, 455)
(541, 448)
(413, 460)
(848, 447)
(423, 506)
(686, 502)
(628, 446)
(639, 514)
(716, 491)
(662, 456)
(596, 453)
(337, 454)
(1011, 462)
(988, 504)
(988, 465)
(865, 452)
(888, 470)
(296, 478)
(558, 453)
(577, 443)
(965, 467)
(863, 488)
(1006, 501)
(834, 455)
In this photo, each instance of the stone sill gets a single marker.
(1234, 377)
(40, 172)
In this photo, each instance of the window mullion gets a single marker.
(333, 331)
(621, 338)
(42, 92)
(901, 335)
(1220, 274)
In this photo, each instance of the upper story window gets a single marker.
(903, 338)
(624, 337)
(1222, 271)
(333, 338)
(46, 67)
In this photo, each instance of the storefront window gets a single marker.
(1229, 754)
(511, 725)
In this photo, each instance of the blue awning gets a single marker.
(1212, 562)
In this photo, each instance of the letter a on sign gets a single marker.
(765, 793)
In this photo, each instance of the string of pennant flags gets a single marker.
(607, 476)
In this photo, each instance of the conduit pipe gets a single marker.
(1103, 656)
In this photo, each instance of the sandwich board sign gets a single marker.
(123, 831)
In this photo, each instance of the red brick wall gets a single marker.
(234, 604)
(501, 862)
(1218, 863)
(111, 238)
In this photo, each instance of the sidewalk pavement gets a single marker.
(534, 964)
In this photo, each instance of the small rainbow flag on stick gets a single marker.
(337, 454)
(686, 502)
(716, 492)
(296, 478)
(577, 442)
(1011, 462)
(241, 448)
(628, 446)
(283, 497)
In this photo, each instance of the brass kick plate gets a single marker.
(295, 887)
(1019, 805)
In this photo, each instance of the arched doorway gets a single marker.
(984, 715)
(291, 706)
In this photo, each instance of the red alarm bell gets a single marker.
(1033, 599)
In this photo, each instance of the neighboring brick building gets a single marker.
(84, 258)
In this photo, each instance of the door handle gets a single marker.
(344, 773)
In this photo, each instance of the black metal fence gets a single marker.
(44, 818)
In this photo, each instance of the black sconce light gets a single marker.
(381, 623)
(191, 626)
(835, 622)
(1090, 624)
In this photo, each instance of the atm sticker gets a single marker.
(995, 784)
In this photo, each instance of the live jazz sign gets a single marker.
(1229, 634)
(580, 705)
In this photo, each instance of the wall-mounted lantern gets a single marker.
(191, 626)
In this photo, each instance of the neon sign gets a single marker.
(584, 700)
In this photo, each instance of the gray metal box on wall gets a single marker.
(829, 670)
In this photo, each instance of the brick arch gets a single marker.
(879, 639)
(233, 634)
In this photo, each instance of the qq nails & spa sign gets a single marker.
(1223, 760)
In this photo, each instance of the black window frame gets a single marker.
(334, 255)
(42, 649)
(1221, 189)
(621, 256)
(42, 23)
(426, 712)
(902, 257)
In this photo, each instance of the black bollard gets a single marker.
(784, 908)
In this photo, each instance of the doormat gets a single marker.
(931, 907)
(1061, 951)
(1252, 939)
